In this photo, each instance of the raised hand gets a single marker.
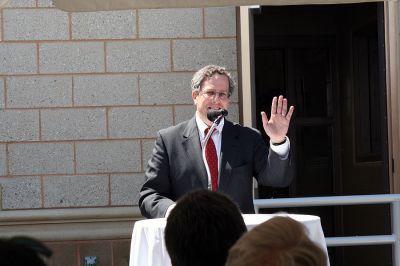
(277, 125)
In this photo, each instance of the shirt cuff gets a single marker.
(169, 210)
(282, 150)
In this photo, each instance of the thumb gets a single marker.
(264, 118)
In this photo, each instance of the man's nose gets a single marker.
(217, 97)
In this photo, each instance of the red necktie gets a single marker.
(212, 160)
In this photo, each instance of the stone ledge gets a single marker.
(70, 224)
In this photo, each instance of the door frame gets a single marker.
(392, 36)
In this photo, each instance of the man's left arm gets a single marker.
(273, 165)
(277, 171)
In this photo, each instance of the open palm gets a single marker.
(276, 127)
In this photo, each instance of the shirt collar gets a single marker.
(202, 126)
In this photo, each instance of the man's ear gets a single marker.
(194, 96)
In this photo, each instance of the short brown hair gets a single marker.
(207, 72)
(280, 241)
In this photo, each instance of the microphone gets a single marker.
(213, 114)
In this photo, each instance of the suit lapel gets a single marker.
(229, 149)
(192, 147)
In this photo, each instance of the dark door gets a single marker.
(328, 61)
(301, 69)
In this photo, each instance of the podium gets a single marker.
(148, 246)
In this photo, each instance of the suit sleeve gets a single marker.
(154, 196)
(271, 169)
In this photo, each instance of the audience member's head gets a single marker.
(280, 241)
(201, 228)
(22, 251)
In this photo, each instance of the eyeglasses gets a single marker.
(214, 94)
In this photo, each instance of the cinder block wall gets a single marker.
(82, 96)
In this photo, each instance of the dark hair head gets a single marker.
(280, 241)
(23, 251)
(201, 228)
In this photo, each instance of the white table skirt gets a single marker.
(148, 246)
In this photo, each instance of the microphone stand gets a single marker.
(203, 150)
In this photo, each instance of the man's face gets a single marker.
(214, 94)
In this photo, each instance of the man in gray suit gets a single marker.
(176, 166)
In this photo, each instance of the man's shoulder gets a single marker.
(241, 129)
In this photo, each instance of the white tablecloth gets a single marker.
(148, 246)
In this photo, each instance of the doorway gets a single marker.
(328, 60)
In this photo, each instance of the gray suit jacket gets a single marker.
(177, 167)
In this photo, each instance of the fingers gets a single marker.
(284, 107)
(289, 114)
(279, 106)
(280, 103)
(273, 105)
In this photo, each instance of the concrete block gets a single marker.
(108, 156)
(45, 3)
(39, 91)
(220, 21)
(125, 189)
(21, 192)
(100, 248)
(138, 56)
(191, 55)
(21, 3)
(64, 253)
(147, 151)
(76, 191)
(233, 114)
(69, 124)
(184, 112)
(172, 88)
(18, 58)
(96, 90)
(235, 94)
(170, 23)
(35, 24)
(138, 122)
(41, 158)
(121, 250)
(19, 125)
(2, 93)
(72, 57)
(1, 27)
(3, 160)
(104, 25)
